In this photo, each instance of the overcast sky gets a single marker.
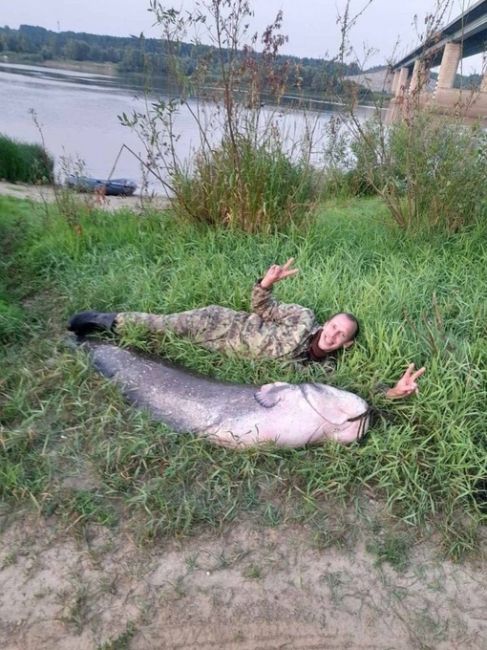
(310, 24)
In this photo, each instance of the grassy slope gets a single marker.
(420, 300)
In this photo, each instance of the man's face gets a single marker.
(338, 332)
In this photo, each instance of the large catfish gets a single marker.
(233, 415)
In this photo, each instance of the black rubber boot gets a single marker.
(91, 321)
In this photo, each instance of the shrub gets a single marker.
(27, 163)
(364, 178)
(430, 171)
(257, 189)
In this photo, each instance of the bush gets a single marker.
(364, 178)
(430, 171)
(26, 163)
(257, 189)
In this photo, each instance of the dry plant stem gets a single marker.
(346, 25)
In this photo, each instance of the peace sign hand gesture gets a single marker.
(277, 273)
(407, 385)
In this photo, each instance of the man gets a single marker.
(271, 330)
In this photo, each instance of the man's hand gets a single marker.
(407, 385)
(277, 273)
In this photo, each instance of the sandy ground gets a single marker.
(45, 193)
(245, 588)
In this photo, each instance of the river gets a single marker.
(78, 117)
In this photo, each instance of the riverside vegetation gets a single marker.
(23, 162)
(421, 299)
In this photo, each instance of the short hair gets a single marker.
(351, 318)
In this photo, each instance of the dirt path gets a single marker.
(244, 589)
(45, 193)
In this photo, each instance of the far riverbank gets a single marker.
(139, 80)
(92, 67)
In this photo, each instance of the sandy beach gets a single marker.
(46, 194)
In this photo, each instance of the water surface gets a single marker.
(78, 114)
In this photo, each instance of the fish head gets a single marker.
(334, 404)
(345, 415)
(324, 411)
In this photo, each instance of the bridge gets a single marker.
(463, 37)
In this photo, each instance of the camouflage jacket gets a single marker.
(289, 327)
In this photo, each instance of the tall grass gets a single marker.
(267, 191)
(23, 162)
(419, 300)
(12, 229)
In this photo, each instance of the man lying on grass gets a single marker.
(271, 330)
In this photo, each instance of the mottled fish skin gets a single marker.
(185, 401)
(233, 415)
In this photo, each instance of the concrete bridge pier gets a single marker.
(447, 98)
(419, 77)
(402, 81)
(400, 84)
(449, 66)
(395, 81)
(399, 81)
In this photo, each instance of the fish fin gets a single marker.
(268, 395)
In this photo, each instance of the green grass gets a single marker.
(24, 162)
(419, 300)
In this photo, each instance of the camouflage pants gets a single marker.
(221, 329)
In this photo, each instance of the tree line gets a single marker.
(140, 54)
